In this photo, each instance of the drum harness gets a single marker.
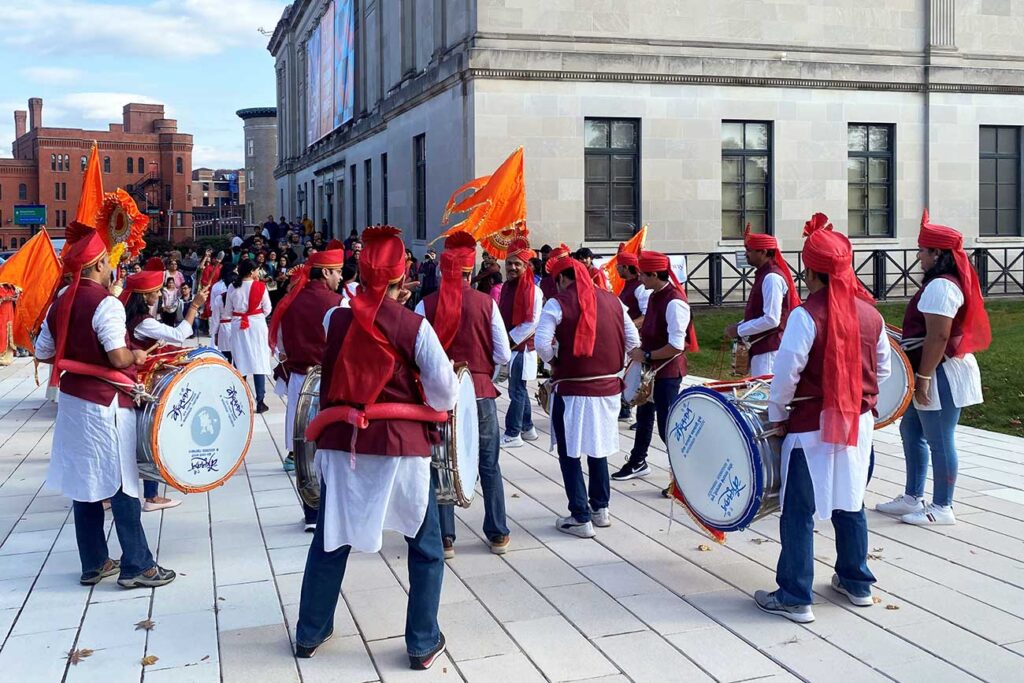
(118, 379)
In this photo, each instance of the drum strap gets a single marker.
(556, 382)
(911, 343)
(115, 378)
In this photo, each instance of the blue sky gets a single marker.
(201, 59)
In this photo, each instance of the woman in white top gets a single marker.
(220, 314)
(249, 303)
(944, 324)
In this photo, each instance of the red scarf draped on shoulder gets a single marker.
(255, 303)
(560, 260)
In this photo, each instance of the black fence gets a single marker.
(716, 279)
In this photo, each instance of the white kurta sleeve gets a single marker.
(643, 295)
(45, 347)
(327, 319)
(677, 315)
(110, 324)
(544, 340)
(440, 385)
(632, 334)
(794, 351)
(150, 328)
(502, 351)
(525, 329)
(421, 309)
(941, 297)
(883, 357)
(773, 290)
(265, 304)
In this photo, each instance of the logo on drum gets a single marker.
(205, 426)
(689, 426)
(231, 404)
(179, 412)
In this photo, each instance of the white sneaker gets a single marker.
(569, 525)
(901, 505)
(933, 515)
(858, 600)
(531, 435)
(511, 441)
(601, 517)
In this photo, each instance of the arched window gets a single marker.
(179, 165)
(53, 162)
(84, 162)
(142, 165)
(131, 165)
(23, 192)
(67, 163)
(106, 164)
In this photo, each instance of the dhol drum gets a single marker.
(306, 408)
(740, 358)
(897, 390)
(724, 460)
(196, 425)
(456, 460)
(638, 384)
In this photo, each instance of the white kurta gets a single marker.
(220, 332)
(501, 352)
(250, 348)
(773, 292)
(643, 295)
(591, 422)
(379, 492)
(839, 473)
(93, 453)
(524, 330)
(153, 329)
(291, 390)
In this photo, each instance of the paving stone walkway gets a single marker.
(641, 602)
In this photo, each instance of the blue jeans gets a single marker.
(150, 489)
(519, 417)
(309, 515)
(665, 392)
(572, 472)
(795, 571)
(260, 383)
(934, 431)
(321, 586)
(493, 487)
(92, 541)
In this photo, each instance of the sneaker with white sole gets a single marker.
(511, 441)
(932, 515)
(769, 602)
(570, 525)
(601, 517)
(631, 471)
(858, 600)
(901, 505)
(530, 434)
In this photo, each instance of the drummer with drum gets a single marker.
(772, 296)
(469, 326)
(379, 355)
(634, 297)
(297, 339)
(833, 354)
(586, 387)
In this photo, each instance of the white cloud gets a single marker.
(158, 28)
(210, 156)
(100, 106)
(51, 75)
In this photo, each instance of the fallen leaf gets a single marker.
(204, 658)
(1015, 422)
(877, 550)
(145, 625)
(875, 600)
(704, 548)
(792, 641)
(874, 556)
(76, 656)
(220, 598)
(972, 552)
(515, 495)
(892, 607)
(150, 660)
(759, 541)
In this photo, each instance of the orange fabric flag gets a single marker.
(497, 203)
(633, 246)
(91, 199)
(496, 244)
(35, 270)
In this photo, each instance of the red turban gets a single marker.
(627, 258)
(335, 244)
(143, 282)
(977, 332)
(586, 328)
(367, 358)
(655, 262)
(154, 263)
(830, 253)
(522, 306)
(332, 258)
(757, 241)
(458, 258)
(83, 253)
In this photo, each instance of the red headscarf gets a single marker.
(586, 328)
(977, 332)
(367, 358)
(332, 258)
(522, 309)
(458, 258)
(819, 221)
(655, 262)
(143, 282)
(627, 258)
(830, 253)
(154, 263)
(759, 241)
(83, 253)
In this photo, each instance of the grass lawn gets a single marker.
(1002, 366)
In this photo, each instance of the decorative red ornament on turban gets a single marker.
(84, 253)
(143, 282)
(655, 262)
(560, 260)
(759, 241)
(458, 257)
(154, 263)
(522, 308)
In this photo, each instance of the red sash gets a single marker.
(255, 303)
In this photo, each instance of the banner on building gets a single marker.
(330, 71)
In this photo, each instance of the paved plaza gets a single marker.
(641, 602)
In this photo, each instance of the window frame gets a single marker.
(637, 154)
(368, 189)
(130, 165)
(419, 156)
(106, 164)
(996, 156)
(353, 197)
(179, 166)
(744, 153)
(384, 188)
(868, 154)
(22, 192)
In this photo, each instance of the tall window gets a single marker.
(67, 162)
(419, 145)
(179, 165)
(63, 191)
(746, 177)
(251, 147)
(131, 165)
(53, 162)
(56, 192)
(250, 180)
(368, 184)
(84, 162)
(869, 170)
(384, 188)
(106, 164)
(354, 189)
(612, 184)
(142, 165)
(1000, 188)
(23, 192)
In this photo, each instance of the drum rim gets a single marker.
(897, 351)
(752, 508)
(460, 493)
(314, 372)
(158, 419)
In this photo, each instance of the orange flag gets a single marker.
(35, 270)
(633, 246)
(497, 203)
(91, 199)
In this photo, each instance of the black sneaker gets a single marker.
(632, 427)
(159, 577)
(303, 652)
(426, 661)
(109, 568)
(261, 407)
(632, 470)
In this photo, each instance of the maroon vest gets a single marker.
(135, 341)
(609, 349)
(506, 303)
(914, 326)
(548, 288)
(771, 340)
(628, 298)
(654, 332)
(385, 437)
(473, 343)
(806, 414)
(302, 326)
(84, 346)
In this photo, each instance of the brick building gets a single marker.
(144, 154)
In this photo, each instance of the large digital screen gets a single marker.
(330, 71)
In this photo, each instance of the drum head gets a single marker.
(466, 438)
(631, 381)
(712, 452)
(202, 425)
(896, 390)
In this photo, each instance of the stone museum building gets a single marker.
(692, 117)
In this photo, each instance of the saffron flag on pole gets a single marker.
(633, 246)
(35, 270)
